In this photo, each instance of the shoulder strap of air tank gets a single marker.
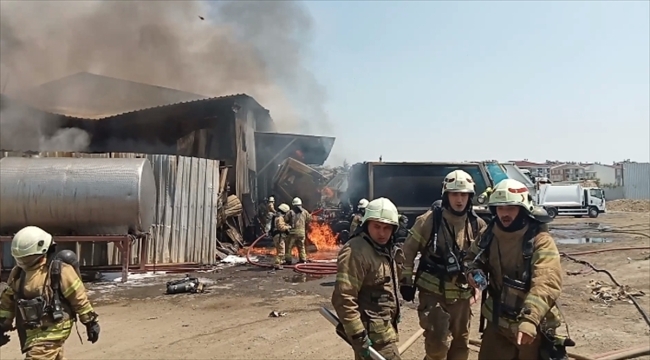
(486, 239)
(55, 275)
(473, 222)
(528, 249)
(437, 221)
(20, 277)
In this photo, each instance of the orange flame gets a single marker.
(322, 236)
(327, 192)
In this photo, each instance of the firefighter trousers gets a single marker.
(297, 240)
(389, 351)
(46, 350)
(280, 248)
(446, 327)
(500, 343)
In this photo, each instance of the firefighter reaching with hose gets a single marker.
(44, 295)
(517, 263)
(442, 235)
(365, 292)
(279, 231)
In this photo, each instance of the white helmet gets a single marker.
(296, 201)
(30, 240)
(511, 192)
(284, 208)
(381, 210)
(458, 181)
(271, 199)
(363, 203)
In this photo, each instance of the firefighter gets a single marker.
(358, 215)
(45, 295)
(279, 231)
(365, 293)
(442, 235)
(299, 220)
(519, 263)
(269, 214)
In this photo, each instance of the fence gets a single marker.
(185, 223)
(614, 193)
(636, 180)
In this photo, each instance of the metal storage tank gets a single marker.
(77, 196)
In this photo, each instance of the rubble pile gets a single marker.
(629, 205)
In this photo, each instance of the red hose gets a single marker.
(319, 269)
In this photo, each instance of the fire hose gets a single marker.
(313, 268)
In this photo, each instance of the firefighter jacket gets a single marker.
(279, 226)
(299, 221)
(420, 241)
(505, 256)
(37, 283)
(355, 222)
(365, 291)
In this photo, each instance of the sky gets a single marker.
(479, 80)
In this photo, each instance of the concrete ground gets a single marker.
(231, 320)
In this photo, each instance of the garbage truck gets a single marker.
(571, 200)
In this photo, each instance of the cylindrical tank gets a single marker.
(77, 196)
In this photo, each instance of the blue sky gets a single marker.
(475, 80)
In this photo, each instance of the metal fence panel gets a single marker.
(636, 180)
(185, 225)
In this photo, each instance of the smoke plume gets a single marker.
(211, 49)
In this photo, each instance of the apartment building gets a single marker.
(536, 169)
(606, 174)
(567, 172)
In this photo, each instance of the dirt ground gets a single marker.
(231, 320)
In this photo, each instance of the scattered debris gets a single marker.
(277, 314)
(234, 259)
(185, 285)
(601, 291)
(629, 205)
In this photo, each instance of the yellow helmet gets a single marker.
(511, 192)
(284, 208)
(30, 240)
(458, 181)
(271, 199)
(363, 203)
(296, 201)
(381, 210)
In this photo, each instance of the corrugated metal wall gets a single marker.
(636, 180)
(614, 193)
(185, 223)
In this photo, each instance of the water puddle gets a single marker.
(576, 241)
(301, 278)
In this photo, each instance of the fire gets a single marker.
(322, 236)
(327, 193)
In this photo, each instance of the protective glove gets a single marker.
(361, 344)
(408, 292)
(92, 329)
